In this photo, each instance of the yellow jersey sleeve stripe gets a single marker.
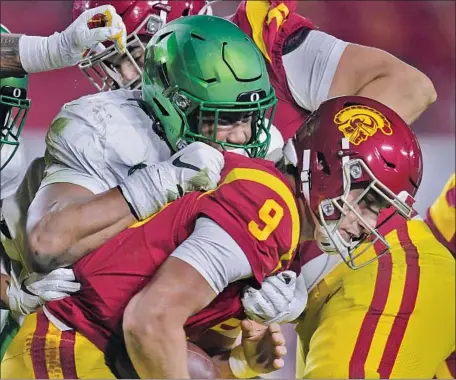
(141, 222)
(258, 12)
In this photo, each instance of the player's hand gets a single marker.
(197, 167)
(261, 351)
(89, 29)
(26, 295)
(281, 299)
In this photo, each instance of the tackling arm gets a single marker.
(10, 62)
(65, 221)
(376, 74)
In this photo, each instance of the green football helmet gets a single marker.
(205, 66)
(14, 106)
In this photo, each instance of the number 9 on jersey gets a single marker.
(271, 213)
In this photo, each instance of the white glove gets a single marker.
(195, 167)
(67, 48)
(281, 299)
(27, 295)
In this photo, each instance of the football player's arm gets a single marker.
(10, 62)
(75, 209)
(66, 221)
(200, 268)
(323, 67)
(23, 54)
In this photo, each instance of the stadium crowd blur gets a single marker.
(422, 33)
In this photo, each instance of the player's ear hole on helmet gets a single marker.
(310, 126)
(147, 108)
(163, 74)
(322, 163)
(163, 36)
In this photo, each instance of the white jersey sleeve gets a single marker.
(97, 140)
(14, 210)
(310, 68)
(214, 254)
(14, 171)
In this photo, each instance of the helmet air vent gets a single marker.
(196, 36)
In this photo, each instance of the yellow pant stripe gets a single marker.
(52, 352)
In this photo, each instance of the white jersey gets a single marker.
(14, 209)
(12, 174)
(93, 142)
(97, 140)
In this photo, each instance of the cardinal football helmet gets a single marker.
(354, 142)
(142, 19)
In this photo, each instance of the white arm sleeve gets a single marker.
(214, 254)
(310, 68)
(13, 173)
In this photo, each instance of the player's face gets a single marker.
(353, 228)
(234, 128)
(125, 66)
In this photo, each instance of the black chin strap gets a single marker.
(156, 125)
(3, 226)
(295, 40)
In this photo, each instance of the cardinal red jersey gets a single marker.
(272, 24)
(253, 203)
